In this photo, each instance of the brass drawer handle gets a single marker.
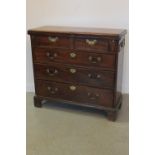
(53, 39)
(93, 96)
(72, 70)
(94, 59)
(52, 90)
(51, 55)
(98, 76)
(72, 88)
(73, 55)
(52, 73)
(91, 42)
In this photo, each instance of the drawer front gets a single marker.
(46, 55)
(52, 41)
(92, 44)
(75, 93)
(65, 73)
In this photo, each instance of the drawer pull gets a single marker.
(94, 60)
(53, 39)
(52, 73)
(51, 56)
(93, 96)
(72, 55)
(72, 88)
(98, 76)
(91, 42)
(72, 70)
(52, 91)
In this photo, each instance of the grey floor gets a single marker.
(60, 130)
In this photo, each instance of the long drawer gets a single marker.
(47, 55)
(69, 73)
(75, 93)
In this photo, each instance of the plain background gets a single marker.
(79, 13)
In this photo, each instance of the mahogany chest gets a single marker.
(80, 66)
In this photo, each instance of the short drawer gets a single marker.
(96, 44)
(75, 93)
(52, 41)
(47, 55)
(73, 74)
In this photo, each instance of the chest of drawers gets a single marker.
(80, 66)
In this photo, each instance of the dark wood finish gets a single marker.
(102, 32)
(73, 74)
(79, 66)
(119, 69)
(52, 41)
(37, 102)
(82, 58)
(112, 115)
(88, 43)
(73, 92)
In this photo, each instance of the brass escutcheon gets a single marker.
(91, 42)
(53, 39)
(72, 88)
(72, 55)
(72, 70)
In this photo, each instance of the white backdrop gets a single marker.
(84, 13)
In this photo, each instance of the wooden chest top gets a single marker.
(80, 31)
